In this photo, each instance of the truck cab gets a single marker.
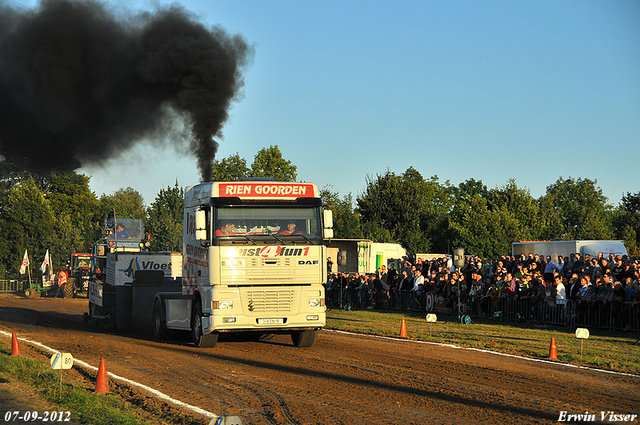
(254, 260)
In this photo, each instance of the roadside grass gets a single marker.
(58, 389)
(613, 351)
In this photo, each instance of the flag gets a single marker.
(45, 263)
(25, 263)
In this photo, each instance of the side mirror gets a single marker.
(328, 219)
(327, 232)
(201, 225)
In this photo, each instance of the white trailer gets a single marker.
(363, 255)
(566, 248)
(111, 299)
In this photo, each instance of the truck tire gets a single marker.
(70, 287)
(200, 340)
(304, 338)
(159, 321)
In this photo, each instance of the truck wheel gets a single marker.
(200, 340)
(28, 293)
(69, 287)
(304, 338)
(159, 323)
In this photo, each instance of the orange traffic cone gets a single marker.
(403, 329)
(553, 354)
(102, 384)
(15, 348)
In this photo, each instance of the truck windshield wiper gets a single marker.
(307, 239)
(250, 239)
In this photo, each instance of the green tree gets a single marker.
(484, 231)
(626, 221)
(164, 222)
(229, 169)
(581, 209)
(468, 189)
(5, 241)
(127, 203)
(346, 221)
(61, 203)
(269, 162)
(520, 205)
(76, 209)
(405, 208)
(28, 223)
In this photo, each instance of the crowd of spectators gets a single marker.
(582, 290)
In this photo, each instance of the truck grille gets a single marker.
(279, 301)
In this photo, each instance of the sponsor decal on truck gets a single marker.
(123, 269)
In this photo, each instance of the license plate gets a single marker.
(270, 321)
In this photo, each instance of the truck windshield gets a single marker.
(81, 262)
(255, 221)
(127, 229)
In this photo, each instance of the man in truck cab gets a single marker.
(121, 232)
(227, 229)
(290, 230)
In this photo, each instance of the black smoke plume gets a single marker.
(80, 83)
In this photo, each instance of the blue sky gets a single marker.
(490, 90)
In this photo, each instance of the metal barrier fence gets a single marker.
(595, 314)
(13, 285)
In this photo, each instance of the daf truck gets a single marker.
(253, 261)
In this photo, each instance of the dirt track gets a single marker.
(343, 379)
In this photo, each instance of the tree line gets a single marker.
(426, 215)
(59, 212)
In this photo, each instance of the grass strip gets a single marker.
(613, 351)
(86, 407)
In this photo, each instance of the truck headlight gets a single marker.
(222, 305)
(232, 263)
(316, 302)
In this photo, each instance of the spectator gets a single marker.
(550, 268)
(418, 281)
(578, 264)
(561, 294)
(561, 264)
(364, 292)
(391, 275)
(381, 291)
(61, 281)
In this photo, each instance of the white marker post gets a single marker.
(431, 318)
(582, 334)
(61, 361)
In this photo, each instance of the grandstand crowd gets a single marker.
(602, 291)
